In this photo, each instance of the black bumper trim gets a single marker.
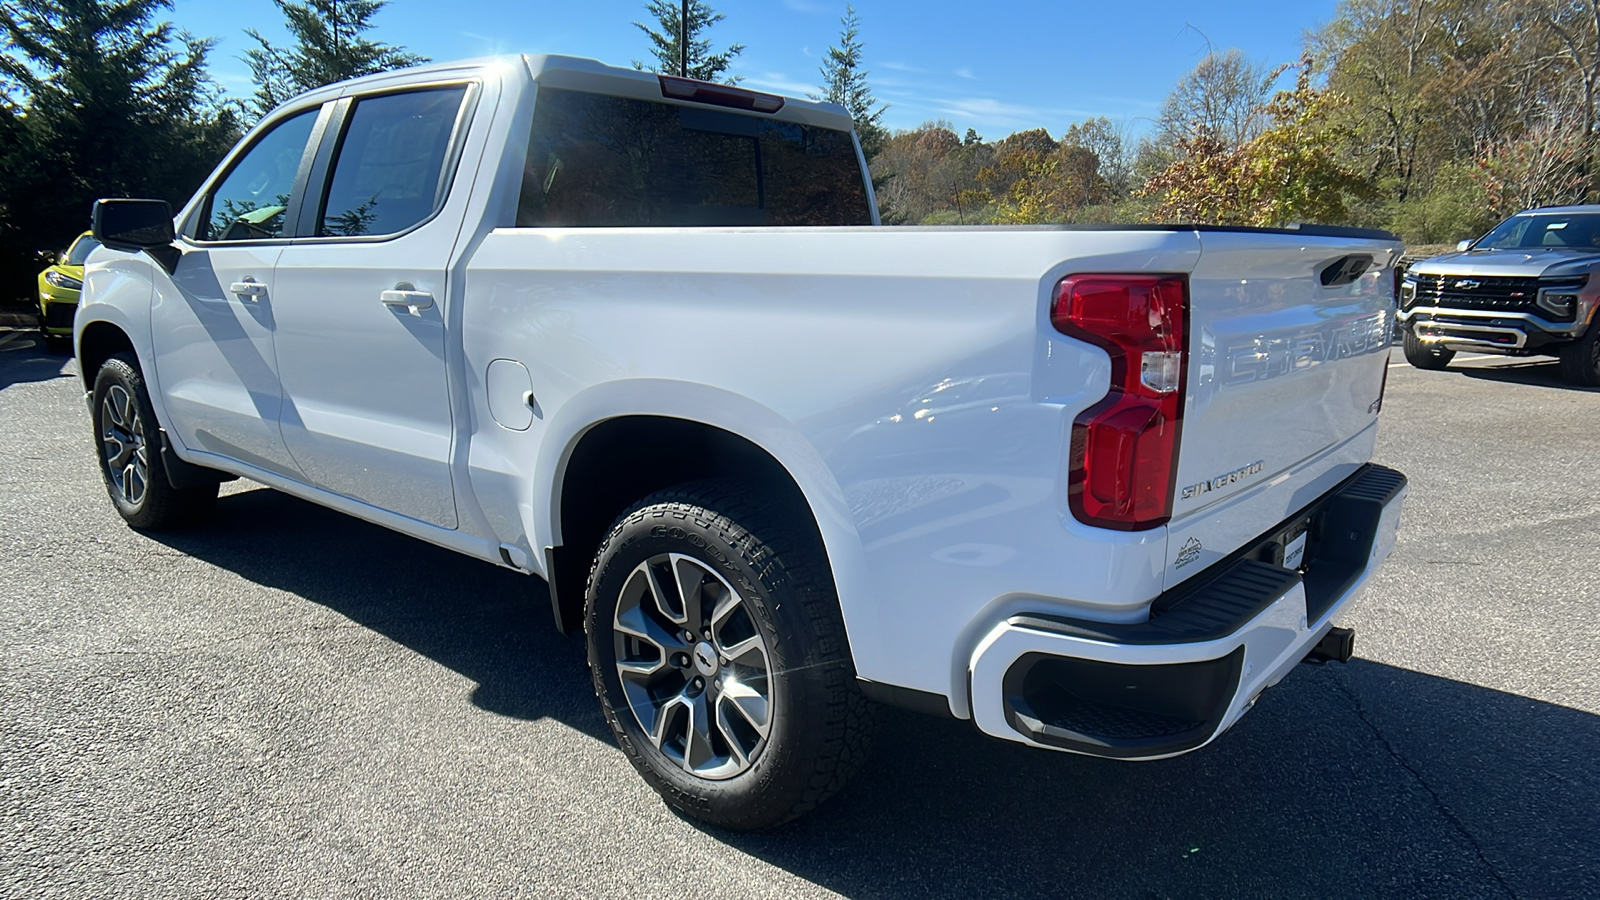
(1222, 599)
(1120, 711)
(1124, 710)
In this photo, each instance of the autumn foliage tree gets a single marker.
(1044, 185)
(1289, 172)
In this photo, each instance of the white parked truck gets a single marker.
(1091, 488)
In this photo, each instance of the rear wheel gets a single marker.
(719, 657)
(1426, 356)
(1580, 360)
(130, 453)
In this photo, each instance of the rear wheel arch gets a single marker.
(619, 460)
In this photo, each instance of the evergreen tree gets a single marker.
(844, 82)
(329, 47)
(101, 101)
(666, 44)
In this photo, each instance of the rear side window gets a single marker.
(389, 173)
(249, 204)
(595, 160)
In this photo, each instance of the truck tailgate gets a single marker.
(1287, 353)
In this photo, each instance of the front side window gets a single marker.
(597, 160)
(250, 202)
(388, 174)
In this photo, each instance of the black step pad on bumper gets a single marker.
(1125, 710)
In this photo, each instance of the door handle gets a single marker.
(404, 295)
(249, 288)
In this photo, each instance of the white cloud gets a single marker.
(902, 67)
(966, 73)
(780, 82)
(491, 46)
(908, 108)
(234, 81)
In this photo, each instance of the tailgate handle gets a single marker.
(1346, 269)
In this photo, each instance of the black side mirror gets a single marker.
(133, 224)
(136, 225)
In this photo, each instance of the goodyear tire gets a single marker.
(128, 444)
(1580, 360)
(1426, 356)
(720, 659)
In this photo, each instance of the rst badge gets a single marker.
(1223, 480)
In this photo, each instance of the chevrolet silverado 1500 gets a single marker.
(1092, 489)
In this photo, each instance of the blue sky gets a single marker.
(999, 66)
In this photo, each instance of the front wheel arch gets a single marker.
(99, 342)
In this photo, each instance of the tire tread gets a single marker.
(782, 555)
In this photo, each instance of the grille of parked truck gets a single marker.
(1092, 489)
(1523, 289)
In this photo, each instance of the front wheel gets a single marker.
(1426, 356)
(1580, 360)
(720, 659)
(128, 441)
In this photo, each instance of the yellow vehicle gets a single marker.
(59, 287)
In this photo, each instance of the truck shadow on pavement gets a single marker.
(27, 359)
(1535, 373)
(1363, 780)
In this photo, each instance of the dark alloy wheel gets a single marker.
(127, 438)
(1580, 360)
(719, 657)
(1424, 355)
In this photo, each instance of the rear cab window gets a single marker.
(390, 170)
(596, 160)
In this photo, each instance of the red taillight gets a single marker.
(1124, 454)
(718, 94)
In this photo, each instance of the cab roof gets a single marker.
(576, 73)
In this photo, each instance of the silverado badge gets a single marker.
(1223, 480)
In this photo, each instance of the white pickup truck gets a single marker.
(1092, 489)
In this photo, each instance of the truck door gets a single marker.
(361, 303)
(212, 322)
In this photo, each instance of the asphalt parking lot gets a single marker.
(292, 703)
